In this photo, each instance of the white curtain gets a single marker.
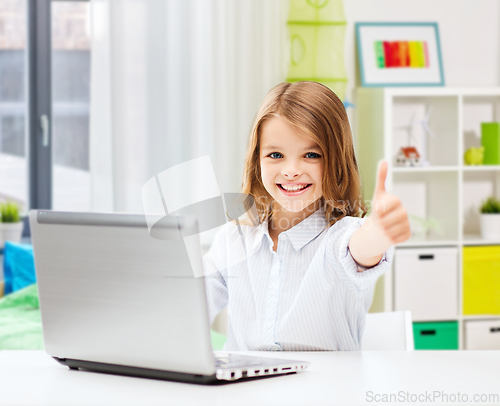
(174, 80)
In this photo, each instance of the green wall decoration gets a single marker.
(317, 32)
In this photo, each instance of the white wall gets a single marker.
(469, 32)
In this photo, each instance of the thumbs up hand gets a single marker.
(388, 217)
(386, 225)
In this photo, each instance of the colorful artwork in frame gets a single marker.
(399, 54)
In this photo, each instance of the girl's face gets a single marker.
(291, 165)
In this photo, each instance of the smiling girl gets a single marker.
(302, 277)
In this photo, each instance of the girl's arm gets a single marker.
(387, 225)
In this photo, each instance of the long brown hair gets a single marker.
(315, 111)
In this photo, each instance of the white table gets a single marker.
(33, 378)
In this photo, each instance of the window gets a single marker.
(45, 81)
(70, 57)
(13, 106)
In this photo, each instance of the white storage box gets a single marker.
(425, 282)
(482, 334)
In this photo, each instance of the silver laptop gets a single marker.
(118, 297)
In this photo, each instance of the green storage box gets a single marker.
(490, 140)
(441, 335)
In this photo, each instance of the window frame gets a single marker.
(39, 102)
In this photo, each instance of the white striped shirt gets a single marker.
(306, 296)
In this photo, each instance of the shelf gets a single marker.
(478, 185)
(443, 168)
(468, 240)
(428, 123)
(470, 317)
(477, 109)
(431, 91)
(476, 239)
(430, 168)
(481, 168)
(438, 319)
(444, 189)
(428, 242)
(480, 316)
(430, 195)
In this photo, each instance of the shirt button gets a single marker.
(269, 325)
(275, 348)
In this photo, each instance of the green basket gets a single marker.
(316, 51)
(442, 335)
(316, 36)
(316, 54)
(325, 11)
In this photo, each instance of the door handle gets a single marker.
(45, 126)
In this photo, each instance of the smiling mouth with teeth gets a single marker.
(294, 188)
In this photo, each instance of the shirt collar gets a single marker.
(299, 235)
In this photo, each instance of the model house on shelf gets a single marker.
(407, 156)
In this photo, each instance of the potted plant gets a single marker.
(11, 225)
(490, 218)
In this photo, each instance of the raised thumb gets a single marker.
(381, 175)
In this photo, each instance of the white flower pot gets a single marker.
(10, 232)
(490, 226)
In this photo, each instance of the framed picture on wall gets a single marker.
(399, 54)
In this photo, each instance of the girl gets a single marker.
(303, 277)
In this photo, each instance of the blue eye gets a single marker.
(313, 155)
(275, 153)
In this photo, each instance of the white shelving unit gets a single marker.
(446, 190)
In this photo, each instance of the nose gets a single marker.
(291, 170)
